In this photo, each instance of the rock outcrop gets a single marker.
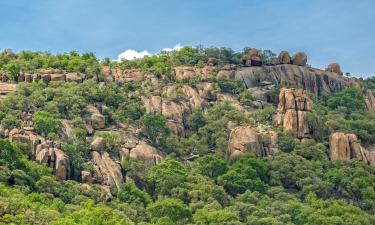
(284, 58)
(98, 144)
(189, 72)
(245, 139)
(43, 151)
(253, 58)
(95, 119)
(107, 172)
(299, 59)
(346, 146)
(313, 80)
(293, 105)
(335, 68)
(370, 101)
(6, 88)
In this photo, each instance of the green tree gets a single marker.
(155, 127)
(46, 123)
(174, 209)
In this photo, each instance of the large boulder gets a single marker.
(253, 58)
(107, 172)
(299, 59)
(284, 58)
(98, 144)
(55, 158)
(146, 153)
(346, 147)
(293, 105)
(96, 119)
(334, 68)
(245, 139)
(370, 101)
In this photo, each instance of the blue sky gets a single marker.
(328, 31)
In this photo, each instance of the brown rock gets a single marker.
(370, 101)
(299, 59)
(74, 77)
(293, 104)
(107, 172)
(98, 144)
(346, 147)
(335, 68)
(284, 58)
(245, 139)
(62, 165)
(253, 58)
(146, 153)
(86, 177)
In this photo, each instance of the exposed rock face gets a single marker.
(107, 172)
(299, 59)
(30, 139)
(253, 58)
(227, 71)
(335, 68)
(284, 58)
(370, 101)
(86, 177)
(313, 80)
(146, 153)
(346, 146)
(96, 120)
(75, 77)
(98, 144)
(188, 72)
(55, 158)
(293, 104)
(245, 139)
(122, 76)
(6, 89)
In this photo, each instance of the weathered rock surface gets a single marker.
(335, 68)
(189, 72)
(107, 172)
(6, 88)
(299, 59)
(86, 177)
(245, 139)
(98, 144)
(253, 58)
(346, 146)
(313, 80)
(370, 101)
(293, 104)
(96, 119)
(284, 58)
(146, 153)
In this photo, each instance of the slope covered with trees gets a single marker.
(183, 138)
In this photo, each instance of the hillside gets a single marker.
(195, 136)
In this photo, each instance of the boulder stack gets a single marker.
(346, 147)
(293, 105)
(253, 58)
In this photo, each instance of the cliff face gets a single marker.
(176, 100)
(293, 105)
(313, 80)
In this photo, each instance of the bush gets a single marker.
(46, 123)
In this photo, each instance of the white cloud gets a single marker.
(175, 48)
(131, 54)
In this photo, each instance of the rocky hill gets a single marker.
(153, 130)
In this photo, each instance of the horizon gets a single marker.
(323, 30)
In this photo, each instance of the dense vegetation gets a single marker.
(299, 185)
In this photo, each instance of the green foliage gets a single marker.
(174, 209)
(45, 123)
(246, 97)
(230, 86)
(349, 100)
(129, 193)
(210, 165)
(286, 142)
(246, 173)
(10, 121)
(167, 175)
(155, 127)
